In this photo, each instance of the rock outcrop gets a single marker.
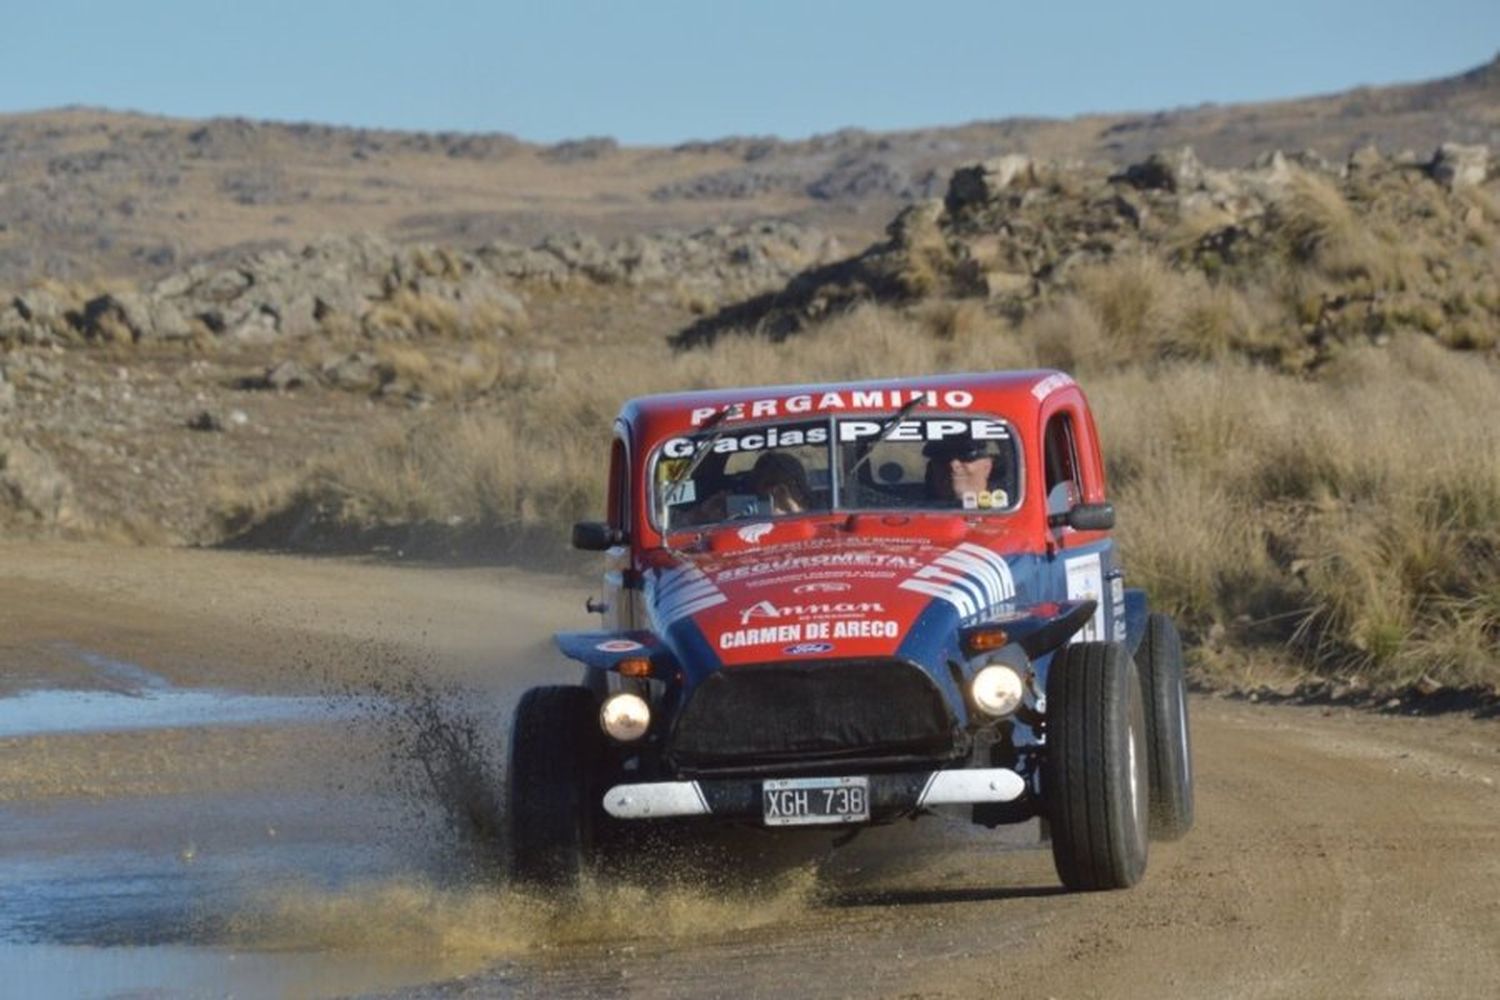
(366, 283)
(1388, 242)
(1456, 166)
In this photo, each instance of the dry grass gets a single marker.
(1324, 232)
(406, 314)
(1137, 309)
(1354, 517)
(1349, 517)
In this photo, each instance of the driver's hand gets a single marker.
(782, 501)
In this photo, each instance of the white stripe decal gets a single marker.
(970, 577)
(981, 568)
(680, 592)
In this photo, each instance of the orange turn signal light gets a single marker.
(634, 667)
(983, 640)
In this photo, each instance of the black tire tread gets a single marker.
(1090, 687)
(554, 748)
(1159, 661)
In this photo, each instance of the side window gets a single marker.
(619, 486)
(1064, 489)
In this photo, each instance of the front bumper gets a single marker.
(891, 795)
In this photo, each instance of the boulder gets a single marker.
(916, 223)
(985, 182)
(35, 316)
(1175, 170)
(1455, 166)
(1364, 159)
(358, 371)
(32, 486)
(287, 375)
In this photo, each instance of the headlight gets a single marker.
(997, 690)
(625, 717)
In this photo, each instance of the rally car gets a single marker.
(839, 605)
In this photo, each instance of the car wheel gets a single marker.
(1168, 746)
(1094, 775)
(554, 749)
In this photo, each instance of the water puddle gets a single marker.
(295, 876)
(130, 697)
(176, 971)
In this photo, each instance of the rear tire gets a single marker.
(554, 750)
(1095, 779)
(1169, 747)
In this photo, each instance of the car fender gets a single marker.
(606, 650)
(1041, 628)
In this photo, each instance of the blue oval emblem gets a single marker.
(808, 648)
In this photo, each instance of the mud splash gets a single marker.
(485, 923)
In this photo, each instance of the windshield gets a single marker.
(946, 462)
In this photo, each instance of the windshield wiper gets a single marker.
(704, 446)
(886, 430)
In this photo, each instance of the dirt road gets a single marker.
(228, 773)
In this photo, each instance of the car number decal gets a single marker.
(1086, 582)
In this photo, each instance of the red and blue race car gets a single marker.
(843, 604)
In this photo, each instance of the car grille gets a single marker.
(741, 716)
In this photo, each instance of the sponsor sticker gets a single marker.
(826, 402)
(821, 587)
(832, 609)
(753, 533)
(977, 428)
(619, 646)
(1086, 582)
(820, 560)
(1050, 384)
(757, 439)
(684, 492)
(854, 628)
(808, 648)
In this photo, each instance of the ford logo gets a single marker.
(821, 587)
(808, 648)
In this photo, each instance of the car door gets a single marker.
(1085, 566)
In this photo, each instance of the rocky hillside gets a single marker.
(1291, 257)
(88, 194)
(364, 283)
(127, 409)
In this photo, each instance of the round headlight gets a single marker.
(625, 717)
(997, 690)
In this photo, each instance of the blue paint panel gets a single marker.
(1137, 610)
(931, 643)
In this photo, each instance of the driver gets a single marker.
(779, 483)
(783, 480)
(964, 472)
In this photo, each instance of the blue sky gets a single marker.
(669, 71)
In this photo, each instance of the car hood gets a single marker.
(802, 591)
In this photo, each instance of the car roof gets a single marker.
(1009, 393)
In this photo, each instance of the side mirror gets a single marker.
(596, 536)
(1092, 517)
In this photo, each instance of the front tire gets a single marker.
(554, 751)
(1169, 748)
(1094, 775)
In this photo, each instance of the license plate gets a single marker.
(809, 801)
